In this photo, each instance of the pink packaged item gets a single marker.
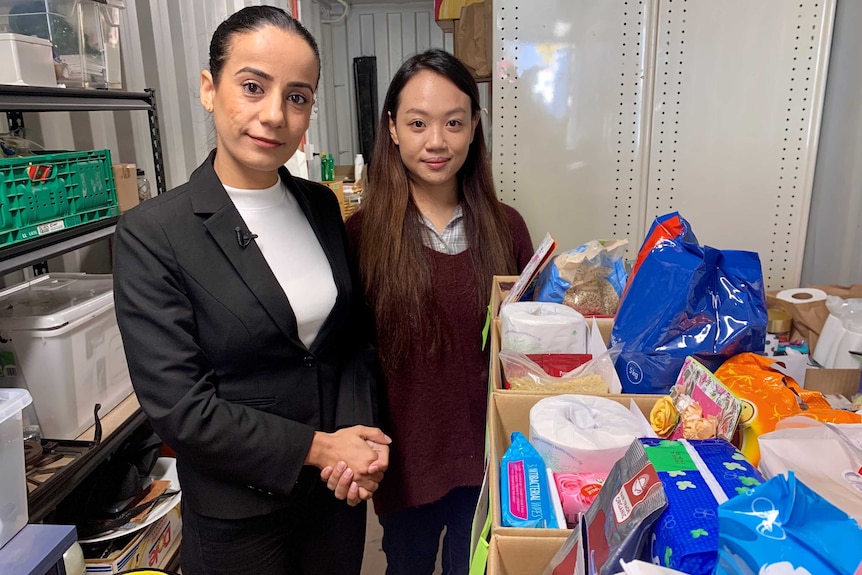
(706, 407)
(577, 492)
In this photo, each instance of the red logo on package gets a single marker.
(591, 490)
(634, 491)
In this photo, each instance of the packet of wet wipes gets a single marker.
(524, 494)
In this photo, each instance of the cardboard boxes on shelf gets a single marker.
(126, 183)
(149, 548)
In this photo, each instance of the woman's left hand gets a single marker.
(340, 478)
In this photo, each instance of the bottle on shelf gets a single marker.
(143, 186)
(358, 166)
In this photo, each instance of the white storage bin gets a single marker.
(26, 61)
(84, 34)
(68, 348)
(13, 483)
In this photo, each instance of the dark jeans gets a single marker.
(319, 536)
(411, 537)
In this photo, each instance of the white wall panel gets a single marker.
(734, 137)
(569, 99)
(832, 250)
(608, 113)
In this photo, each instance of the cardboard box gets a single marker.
(510, 412)
(500, 286)
(151, 548)
(833, 381)
(447, 11)
(828, 381)
(126, 182)
(521, 555)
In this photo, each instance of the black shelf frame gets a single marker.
(45, 498)
(15, 100)
(39, 249)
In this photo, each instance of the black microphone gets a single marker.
(243, 238)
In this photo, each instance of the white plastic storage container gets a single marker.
(26, 61)
(84, 34)
(13, 483)
(68, 348)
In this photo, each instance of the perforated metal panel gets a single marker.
(568, 109)
(706, 107)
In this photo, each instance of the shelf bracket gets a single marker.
(156, 140)
(16, 123)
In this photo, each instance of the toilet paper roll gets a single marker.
(538, 327)
(801, 295)
(580, 433)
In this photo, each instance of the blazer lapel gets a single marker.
(210, 199)
(331, 242)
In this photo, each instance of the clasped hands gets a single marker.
(351, 460)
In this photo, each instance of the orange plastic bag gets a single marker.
(768, 396)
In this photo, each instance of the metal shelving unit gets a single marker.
(14, 101)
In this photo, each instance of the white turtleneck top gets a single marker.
(292, 251)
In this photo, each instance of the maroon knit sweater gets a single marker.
(435, 407)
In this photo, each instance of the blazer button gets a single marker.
(308, 360)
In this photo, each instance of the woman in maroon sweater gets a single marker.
(430, 235)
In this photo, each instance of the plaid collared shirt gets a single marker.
(452, 240)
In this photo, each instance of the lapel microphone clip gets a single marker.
(243, 237)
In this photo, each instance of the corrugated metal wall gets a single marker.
(390, 32)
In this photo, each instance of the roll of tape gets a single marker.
(802, 295)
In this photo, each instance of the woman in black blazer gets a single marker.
(248, 346)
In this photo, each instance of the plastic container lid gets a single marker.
(54, 300)
(25, 39)
(12, 401)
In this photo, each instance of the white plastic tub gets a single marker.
(68, 348)
(26, 61)
(13, 483)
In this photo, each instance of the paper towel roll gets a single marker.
(801, 295)
(538, 327)
(581, 433)
(851, 341)
(827, 344)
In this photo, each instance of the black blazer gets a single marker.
(213, 349)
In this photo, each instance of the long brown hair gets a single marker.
(394, 269)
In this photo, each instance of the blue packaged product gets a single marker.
(783, 526)
(698, 475)
(524, 495)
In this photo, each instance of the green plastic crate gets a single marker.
(43, 194)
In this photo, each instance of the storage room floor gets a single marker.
(375, 561)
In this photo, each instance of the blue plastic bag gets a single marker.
(686, 299)
(524, 496)
(590, 278)
(782, 526)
